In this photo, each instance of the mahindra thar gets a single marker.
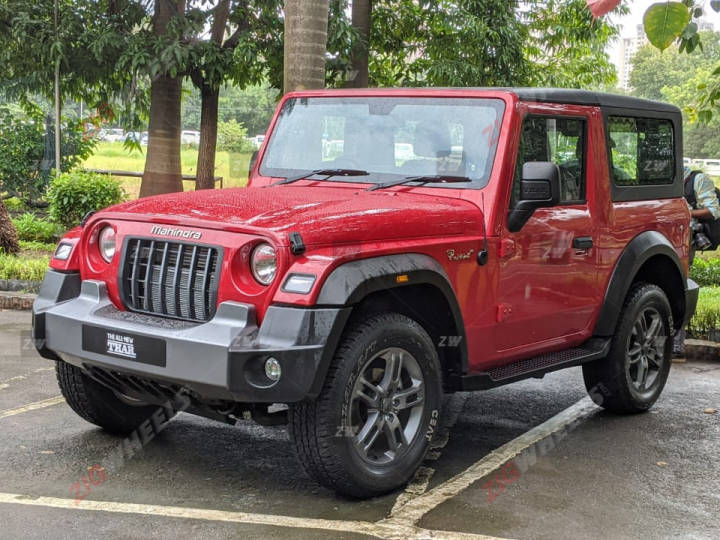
(391, 245)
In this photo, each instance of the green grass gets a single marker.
(36, 248)
(231, 166)
(26, 266)
(707, 314)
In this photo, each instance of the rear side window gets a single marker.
(641, 151)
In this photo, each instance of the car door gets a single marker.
(547, 284)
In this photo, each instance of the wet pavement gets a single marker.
(654, 475)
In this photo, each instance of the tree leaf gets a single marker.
(602, 7)
(664, 22)
(715, 4)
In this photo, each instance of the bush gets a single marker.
(706, 271)
(31, 228)
(707, 314)
(27, 151)
(13, 204)
(232, 137)
(74, 194)
(31, 269)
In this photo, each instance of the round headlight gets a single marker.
(263, 263)
(106, 243)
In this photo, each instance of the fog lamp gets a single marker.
(272, 369)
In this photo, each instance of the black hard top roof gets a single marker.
(586, 97)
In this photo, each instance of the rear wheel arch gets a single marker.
(648, 258)
(372, 286)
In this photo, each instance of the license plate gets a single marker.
(124, 345)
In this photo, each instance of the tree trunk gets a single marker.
(209, 107)
(163, 171)
(208, 138)
(8, 235)
(306, 23)
(361, 21)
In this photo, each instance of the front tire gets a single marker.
(97, 403)
(368, 430)
(633, 375)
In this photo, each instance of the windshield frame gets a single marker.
(452, 97)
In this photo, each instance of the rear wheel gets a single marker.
(369, 428)
(97, 403)
(634, 373)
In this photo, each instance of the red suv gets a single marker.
(392, 245)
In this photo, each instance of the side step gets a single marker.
(593, 349)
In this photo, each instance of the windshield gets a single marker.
(389, 137)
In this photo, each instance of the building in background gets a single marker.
(629, 47)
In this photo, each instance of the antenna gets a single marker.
(482, 257)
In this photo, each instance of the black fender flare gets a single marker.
(640, 249)
(350, 282)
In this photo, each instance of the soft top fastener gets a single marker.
(297, 246)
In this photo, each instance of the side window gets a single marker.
(641, 151)
(561, 141)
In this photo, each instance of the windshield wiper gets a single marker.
(426, 179)
(327, 173)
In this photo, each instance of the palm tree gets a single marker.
(306, 23)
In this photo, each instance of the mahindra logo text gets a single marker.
(175, 233)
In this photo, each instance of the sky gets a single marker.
(635, 17)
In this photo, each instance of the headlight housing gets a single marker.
(106, 243)
(263, 263)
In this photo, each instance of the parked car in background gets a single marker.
(133, 136)
(712, 167)
(112, 135)
(190, 137)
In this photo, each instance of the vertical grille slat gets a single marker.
(176, 281)
(147, 296)
(170, 279)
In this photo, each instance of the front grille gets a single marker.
(171, 279)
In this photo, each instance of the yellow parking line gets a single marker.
(33, 406)
(359, 527)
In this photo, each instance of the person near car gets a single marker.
(707, 207)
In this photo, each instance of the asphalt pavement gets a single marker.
(531, 460)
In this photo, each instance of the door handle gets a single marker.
(582, 242)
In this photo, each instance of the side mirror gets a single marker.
(539, 188)
(253, 159)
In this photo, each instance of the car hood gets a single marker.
(323, 215)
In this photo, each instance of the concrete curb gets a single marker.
(698, 349)
(19, 285)
(15, 300)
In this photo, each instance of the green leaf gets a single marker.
(715, 4)
(665, 22)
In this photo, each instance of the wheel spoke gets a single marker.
(369, 433)
(634, 353)
(643, 325)
(393, 431)
(410, 397)
(642, 372)
(368, 392)
(393, 372)
(654, 329)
